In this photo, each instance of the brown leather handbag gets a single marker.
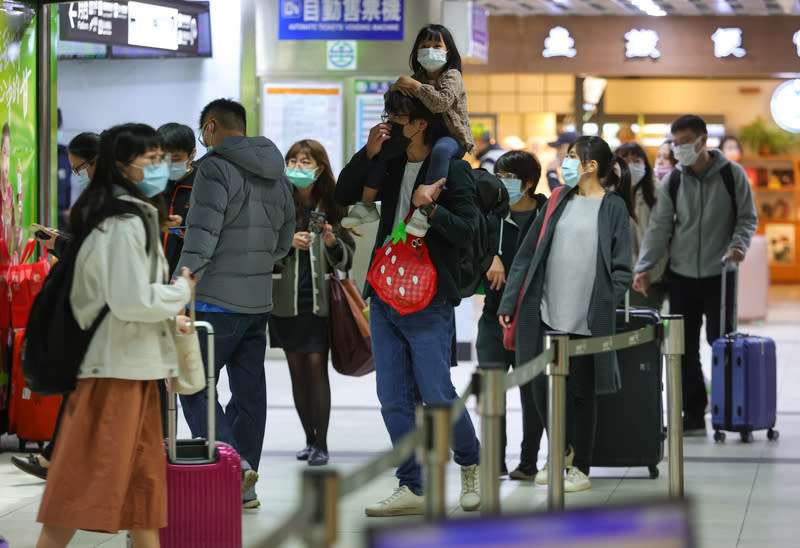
(351, 347)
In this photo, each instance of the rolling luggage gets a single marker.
(204, 481)
(630, 423)
(31, 417)
(743, 382)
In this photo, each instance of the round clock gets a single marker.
(785, 106)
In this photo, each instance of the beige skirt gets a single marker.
(108, 471)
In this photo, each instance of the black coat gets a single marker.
(452, 225)
(176, 196)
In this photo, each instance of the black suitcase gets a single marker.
(630, 423)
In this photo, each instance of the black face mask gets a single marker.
(397, 143)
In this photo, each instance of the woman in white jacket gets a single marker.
(115, 475)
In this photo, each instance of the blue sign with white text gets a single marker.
(340, 20)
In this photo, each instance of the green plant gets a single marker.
(764, 139)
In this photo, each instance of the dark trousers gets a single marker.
(489, 346)
(443, 151)
(240, 344)
(693, 298)
(581, 417)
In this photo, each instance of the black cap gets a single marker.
(565, 138)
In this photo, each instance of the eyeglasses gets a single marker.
(153, 160)
(77, 169)
(203, 129)
(401, 119)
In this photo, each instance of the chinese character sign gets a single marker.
(559, 44)
(340, 20)
(728, 41)
(641, 43)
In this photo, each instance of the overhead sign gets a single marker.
(340, 20)
(342, 55)
(152, 24)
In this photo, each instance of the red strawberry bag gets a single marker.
(402, 273)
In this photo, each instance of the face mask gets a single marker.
(514, 187)
(686, 154)
(209, 148)
(637, 173)
(301, 178)
(59, 135)
(177, 170)
(397, 143)
(155, 179)
(83, 179)
(660, 171)
(432, 59)
(569, 171)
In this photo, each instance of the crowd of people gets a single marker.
(255, 234)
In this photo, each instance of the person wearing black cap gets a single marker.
(565, 138)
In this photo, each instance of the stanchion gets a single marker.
(672, 347)
(556, 372)
(435, 449)
(492, 405)
(320, 489)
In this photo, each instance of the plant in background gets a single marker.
(765, 139)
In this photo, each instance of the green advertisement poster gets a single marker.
(18, 169)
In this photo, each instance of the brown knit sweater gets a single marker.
(448, 96)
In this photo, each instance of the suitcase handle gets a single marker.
(211, 385)
(723, 300)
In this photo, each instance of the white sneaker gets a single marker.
(418, 224)
(403, 502)
(361, 213)
(470, 487)
(576, 481)
(541, 475)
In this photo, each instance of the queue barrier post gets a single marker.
(435, 449)
(320, 488)
(672, 347)
(557, 372)
(492, 406)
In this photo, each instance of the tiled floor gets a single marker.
(743, 495)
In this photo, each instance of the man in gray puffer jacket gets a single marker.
(710, 218)
(241, 220)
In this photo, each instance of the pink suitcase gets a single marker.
(204, 490)
(753, 284)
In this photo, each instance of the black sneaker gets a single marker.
(524, 472)
(30, 464)
(694, 427)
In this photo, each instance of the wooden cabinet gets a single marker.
(775, 181)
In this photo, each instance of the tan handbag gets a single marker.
(191, 372)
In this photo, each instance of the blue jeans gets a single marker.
(445, 149)
(412, 364)
(240, 343)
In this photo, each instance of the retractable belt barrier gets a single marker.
(315, 518)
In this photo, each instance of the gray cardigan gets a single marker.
(612, 279)
(323, 262)
(240, 221)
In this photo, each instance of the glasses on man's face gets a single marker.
(203, 130)
(401, 119)
(152, 159)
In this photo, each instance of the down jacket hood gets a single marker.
(258, 155)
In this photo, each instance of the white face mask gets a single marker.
(637, 172)
(432, 59)
(686, 154)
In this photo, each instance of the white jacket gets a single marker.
(136, 339)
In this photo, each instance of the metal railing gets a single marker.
(315, 519)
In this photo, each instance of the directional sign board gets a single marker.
(154, 24)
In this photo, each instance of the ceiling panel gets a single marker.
(638, 7)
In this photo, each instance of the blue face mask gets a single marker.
(569, 171)
(514, 187)
(177, 170)
(301, 178)
(83, 179)
(155, 179)
(59, 135)
(432, 59)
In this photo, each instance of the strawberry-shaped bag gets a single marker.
(402, 273)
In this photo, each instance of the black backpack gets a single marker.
(491, 197)
(54, 343)
(676, 176)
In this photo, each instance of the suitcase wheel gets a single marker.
(773, 435)
(719, 436)
(746, 437)
(653, 471)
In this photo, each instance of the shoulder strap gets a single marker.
(727, 177)
(674, 183)
(551, 205)
(133, 209)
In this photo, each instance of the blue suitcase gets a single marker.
(743, 383)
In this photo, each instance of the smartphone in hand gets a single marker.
(42, 232)
(316, 221)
